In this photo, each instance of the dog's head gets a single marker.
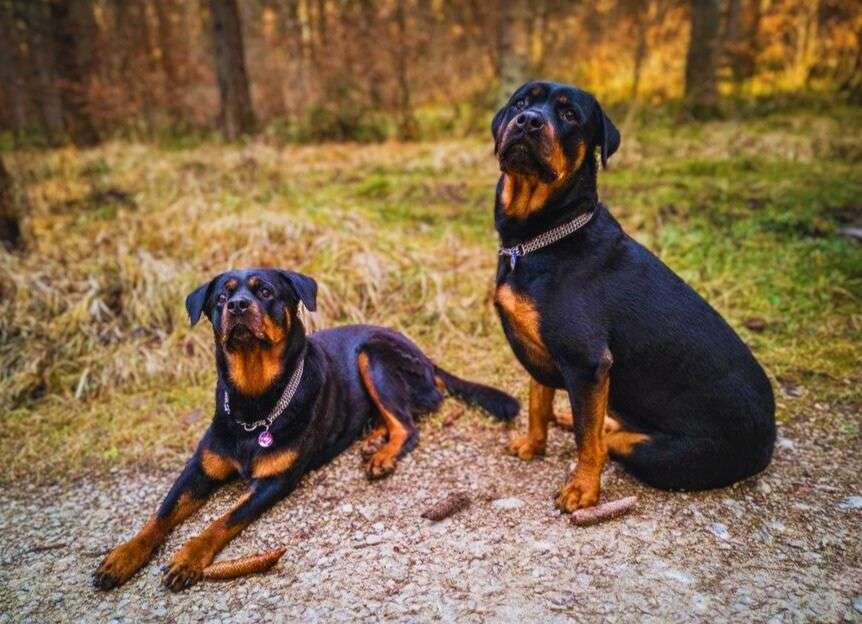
(254, 316)
(548, 131)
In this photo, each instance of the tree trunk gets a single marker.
(15, 96)
(407, 128)
(367, 43)
(638, 58)
(540, 36)
(752, 40)
(701, 89)
(72, 27)
(167, 42)
(27, 77)
(733, 39)
(640, 53)
(511, 63)
(322, 28)
(137, 62)
(43, 72)
(10, 228)
(236, 117)
(299, 47)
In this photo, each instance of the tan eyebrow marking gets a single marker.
(231, 284)
(253, 281)
(563, 99)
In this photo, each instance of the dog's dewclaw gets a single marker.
(605, 511)
(252, 564)
(450, 505)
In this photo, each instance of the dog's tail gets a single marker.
(496, 402)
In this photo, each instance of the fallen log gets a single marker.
(252, 564)
(603, 512)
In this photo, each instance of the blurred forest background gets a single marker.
(312, 70)
(146, 145)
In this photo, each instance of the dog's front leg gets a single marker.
(203, 473)
(531, 444)
(588, 393)
(187, 565)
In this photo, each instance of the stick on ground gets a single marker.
(252, 564)
(605, 511)
(450, 505)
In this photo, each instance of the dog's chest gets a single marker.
(522, 324)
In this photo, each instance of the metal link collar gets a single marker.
(544, 239)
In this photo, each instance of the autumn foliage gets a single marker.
(365, 70)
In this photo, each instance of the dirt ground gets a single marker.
(784, 547)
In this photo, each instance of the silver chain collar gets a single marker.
(283, 402)
(544, 239)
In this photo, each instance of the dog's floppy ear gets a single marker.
(304, 287)
(608, 136)
(197, 300)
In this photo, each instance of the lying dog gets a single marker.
(286, 404)
(589, 310)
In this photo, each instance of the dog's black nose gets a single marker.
(530, 121)
(238, 305)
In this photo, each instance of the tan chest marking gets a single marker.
(523, 319)
(273, 463)
(522, 195)
(216, 466)
(253, 371)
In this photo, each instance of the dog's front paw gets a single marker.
(381, 464)
(187, 566)
(578, 492)
(120, 564)
(372, 443)
(525, 447)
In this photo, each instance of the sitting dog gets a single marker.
(655, 376)
(287, 403)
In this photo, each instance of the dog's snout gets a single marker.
(238, 305)
(530, 121)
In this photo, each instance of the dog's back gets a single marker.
(680, 368)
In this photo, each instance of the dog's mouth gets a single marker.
(241, 335)
(521, 155)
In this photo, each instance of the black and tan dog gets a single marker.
(311, 397)
(655, 376)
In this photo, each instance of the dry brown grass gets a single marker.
(98, 364)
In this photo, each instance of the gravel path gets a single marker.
(781, 548)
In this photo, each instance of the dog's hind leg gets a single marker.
(685, 462)
(621, 443)
(390, 396)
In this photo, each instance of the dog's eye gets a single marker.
(222, 298)
(521, 103)
(265, 292)
(569, 115)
